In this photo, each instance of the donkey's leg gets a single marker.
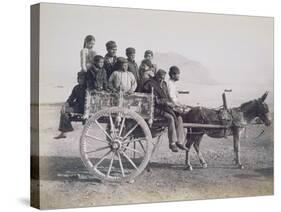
(187, 161)
(236, 147)
(196, 146)
(188, 145)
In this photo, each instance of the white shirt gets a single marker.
(124, 81)
(173, 93)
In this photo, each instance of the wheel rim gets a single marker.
(116, 144)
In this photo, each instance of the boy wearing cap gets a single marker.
(74, 104)
(96, 76)
(122, 79)
(148, 54)
(110, 59)
(174, 73)
(164, 108)
(132, 65)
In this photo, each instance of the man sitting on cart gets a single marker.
(164, 107)
(122, 79)
(174, 73)
(74, 104)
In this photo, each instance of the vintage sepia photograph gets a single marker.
(136, 106)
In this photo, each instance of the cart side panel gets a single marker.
(141, 103)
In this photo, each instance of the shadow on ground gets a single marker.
(72, 169)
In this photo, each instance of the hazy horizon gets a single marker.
(232, 49)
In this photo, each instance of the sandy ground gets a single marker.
(66, 183)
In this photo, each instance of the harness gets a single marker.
(227, 117)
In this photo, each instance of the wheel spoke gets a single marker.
(130, 131)
(98, 124)
(122, 126)
(134, 150)
(112, 125)
(110, 165)
(121, 165)
(102, 159)
(141, 145)
(98, 149)
(95, 138)
(126, 147)
(134, 140)
(129, 159)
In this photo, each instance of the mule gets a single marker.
(240, 117)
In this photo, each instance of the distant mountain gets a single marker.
(191, 71)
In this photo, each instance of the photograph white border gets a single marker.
(15, 92)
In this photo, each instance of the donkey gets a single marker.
(240, 116)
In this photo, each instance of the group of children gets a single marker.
(115, 74)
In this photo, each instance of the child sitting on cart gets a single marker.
(146, 72)
(73, 105)
(122, 79)
(96, 77)
(148, 55)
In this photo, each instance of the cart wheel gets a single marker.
(116, 144)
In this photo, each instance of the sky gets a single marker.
(234, 49)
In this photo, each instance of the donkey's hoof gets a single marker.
(240, 166)
(188, 168)
(204, 165)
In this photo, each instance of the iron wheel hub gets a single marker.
(116, 145)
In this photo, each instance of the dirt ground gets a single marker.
(66, 183)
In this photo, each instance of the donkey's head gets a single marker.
(257, 108)
(262, 110)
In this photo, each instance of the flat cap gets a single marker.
(130, 50)
(111, 44)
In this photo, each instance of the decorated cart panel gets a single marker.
(141, 103)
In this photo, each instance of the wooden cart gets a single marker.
(117, 140)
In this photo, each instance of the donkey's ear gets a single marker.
(263, 97)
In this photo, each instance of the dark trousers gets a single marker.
(65, 123)
(65, 119)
